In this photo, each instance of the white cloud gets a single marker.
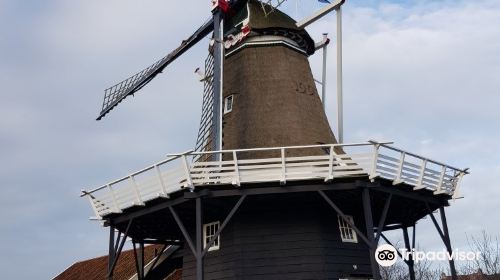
(423, 74)
(432, 65)
(426, 77)
(110, 27)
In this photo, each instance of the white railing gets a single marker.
(281, 164)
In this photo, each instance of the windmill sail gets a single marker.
(269, 6)
(115, 94)
(204, 141)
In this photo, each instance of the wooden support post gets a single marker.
(399, 174)
(373, 173)
(117, 252)
(224, 224)
(445, 236)
(163, 189)
(136, 258)
(181, 226)
(119, 248)
(117, 243)
(136, 190)
(329, 177)
(189, 180)
(236, 180)
(140, 261)
(448, 242)
(111, 256)
(420, 183)
(381, 223)
(348, 221)
(115, 202)
(156, 259)
(199, 240)
(283, 167)
(414, 235)
(370, 232)
(410, 262)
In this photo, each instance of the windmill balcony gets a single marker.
(188, 171)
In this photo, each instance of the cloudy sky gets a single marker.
(424, 74)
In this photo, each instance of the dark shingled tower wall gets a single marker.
(275, 100)
(283, 237)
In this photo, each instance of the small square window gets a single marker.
(228, 104)
(347, 233)
(209, 231)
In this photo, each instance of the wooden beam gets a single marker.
(448, 241)
(226, 221)
(383, 217)
(183, 230)
(111, 254)
(343, 216)
(410, 262)
(119, 251)
(199, 239)
(367, 210)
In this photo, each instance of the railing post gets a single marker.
(374, 174)
(398, 180)
(283, 167)
(236, 170)
(115, 203)
(136, 189)
(420, 184)
(188, 173)
(329, 177)
(162, 184)
(456, 186)
(439, 189)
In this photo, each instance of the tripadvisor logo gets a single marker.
(386, 255)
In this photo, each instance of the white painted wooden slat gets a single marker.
(428, 170)
(347, 173)
(424, 179)
(300, 164)
(392, 164)
(263, 160)
(388, 158)
(257, 167)
(409, 170)
(331, 158)
(308, 158)
(212, 163)
(390, 171)
(376, 151)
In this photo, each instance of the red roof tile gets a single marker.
(97, 268)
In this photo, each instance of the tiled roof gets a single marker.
(97, 268)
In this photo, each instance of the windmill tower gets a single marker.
(268, 193)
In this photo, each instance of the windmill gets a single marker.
(257, 197)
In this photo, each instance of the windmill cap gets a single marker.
(252, 15)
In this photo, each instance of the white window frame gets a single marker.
(347, 233)
(227, 103)
(209, 231)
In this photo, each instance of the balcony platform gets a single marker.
(274, 171)
(407, 205)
